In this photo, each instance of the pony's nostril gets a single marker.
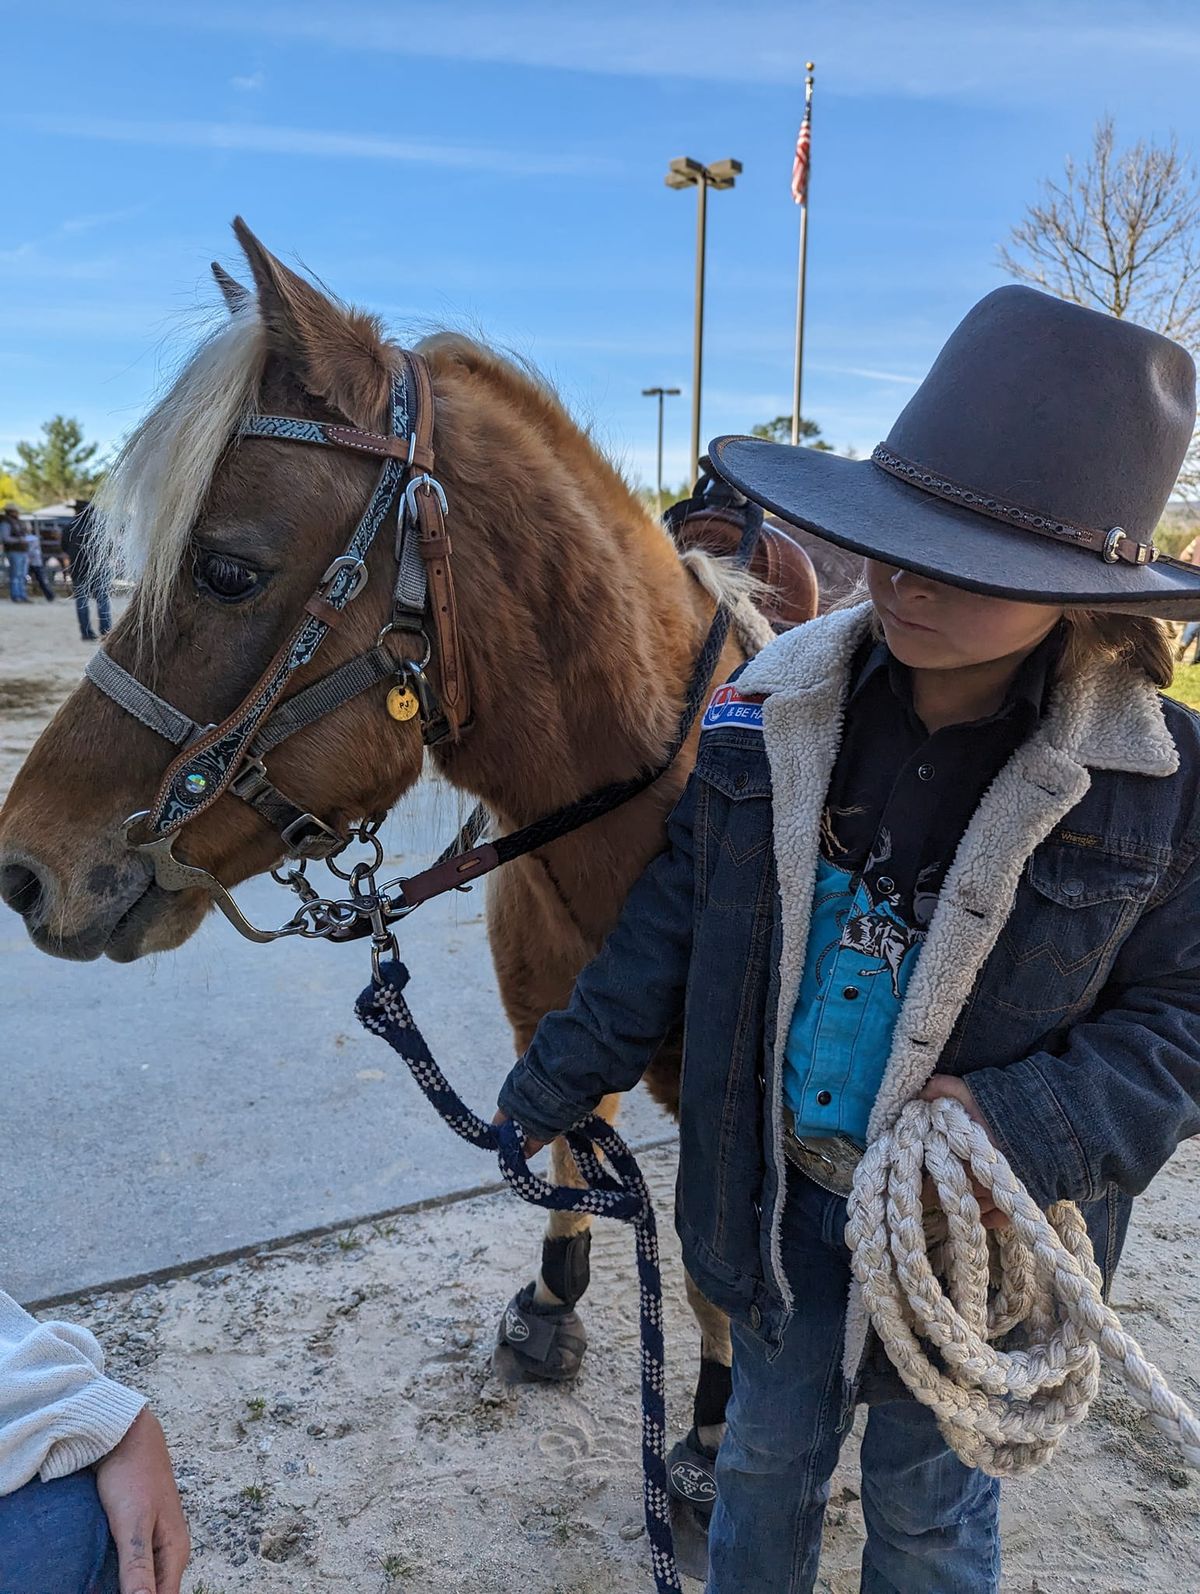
(21, 888)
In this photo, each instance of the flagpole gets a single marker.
(799, 366)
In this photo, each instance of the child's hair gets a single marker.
(1112, 637)
(1093, 635)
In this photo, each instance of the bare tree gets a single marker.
(1120, 234)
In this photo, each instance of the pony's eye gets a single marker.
(225, 578)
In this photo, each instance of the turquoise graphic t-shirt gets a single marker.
(861, 955)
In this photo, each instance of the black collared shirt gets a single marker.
(901, 798)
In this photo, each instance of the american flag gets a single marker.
(801, 161)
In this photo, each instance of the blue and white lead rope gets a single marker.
(621, 1194)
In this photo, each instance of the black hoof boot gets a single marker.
(544, 1342)
(693, 1490)
(691, 1477)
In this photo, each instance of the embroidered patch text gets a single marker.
(728, 706)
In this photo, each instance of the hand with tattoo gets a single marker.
(137, 1490)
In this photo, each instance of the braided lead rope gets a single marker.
(1003, 1411)
(620, 1194)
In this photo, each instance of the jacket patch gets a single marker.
(728, 706)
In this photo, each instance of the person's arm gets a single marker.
(59, 1414)
(624, 1002)
(1113, 1105)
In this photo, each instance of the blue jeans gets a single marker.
(932, 1523)
(18, 571)
(97, 589)
(54, 1539)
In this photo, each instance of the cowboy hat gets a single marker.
(1033, 462)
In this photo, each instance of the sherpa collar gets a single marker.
(1111, 718)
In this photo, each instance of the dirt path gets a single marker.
(41, 659)
(337, 1425)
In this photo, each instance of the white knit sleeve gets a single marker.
(58, 1412)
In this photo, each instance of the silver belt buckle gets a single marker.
(828, 1160)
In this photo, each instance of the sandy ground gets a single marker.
(41, 659)
(337, 1423)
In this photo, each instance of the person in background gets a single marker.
(88, 577)
(12, 537)
(88, 1502)
(37, 564)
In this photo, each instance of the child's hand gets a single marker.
(532, 1147)
(949, 1085)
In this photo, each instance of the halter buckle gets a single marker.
(427, 484)
(310, 837)
(344, 562)
(250, 780)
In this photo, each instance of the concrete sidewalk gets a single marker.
(225, 1095)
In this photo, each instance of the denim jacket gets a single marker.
(1061, 970)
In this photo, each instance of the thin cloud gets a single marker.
(104, 218)
(51, 257)
(264, 140)
(1017, 54)
(871, 376)
(249, 84)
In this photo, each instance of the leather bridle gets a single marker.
(229, 756)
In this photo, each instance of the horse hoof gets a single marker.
(691, 1477)
(539, 1342)
(689, 1530)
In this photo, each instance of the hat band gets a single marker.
(1112, 545)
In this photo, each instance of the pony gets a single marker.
(580, 621)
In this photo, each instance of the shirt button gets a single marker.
(742, 780)
(1072, 888)
(755, 1317)
(886, 884)
(851, 993)
(823, 1098)
(926, 772)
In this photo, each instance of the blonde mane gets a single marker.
(148, 503)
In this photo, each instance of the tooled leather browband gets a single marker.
(1114, 545)
(292, 429)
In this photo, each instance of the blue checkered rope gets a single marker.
(620, 1194)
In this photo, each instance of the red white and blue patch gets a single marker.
(728, 706)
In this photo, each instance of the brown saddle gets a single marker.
(778, 561)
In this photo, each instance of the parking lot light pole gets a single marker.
(688, 173)
(660, 393)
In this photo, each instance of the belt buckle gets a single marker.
(834, 1173)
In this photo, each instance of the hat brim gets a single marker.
(856, 505)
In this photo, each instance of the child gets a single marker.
(947, 845)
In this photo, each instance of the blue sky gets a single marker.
(499, 168)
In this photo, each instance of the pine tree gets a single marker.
(57, 468)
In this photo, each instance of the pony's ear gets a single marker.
(340, 353)
(235, 295)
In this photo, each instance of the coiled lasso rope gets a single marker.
(1003, 1411)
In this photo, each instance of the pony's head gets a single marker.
(228, 538)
